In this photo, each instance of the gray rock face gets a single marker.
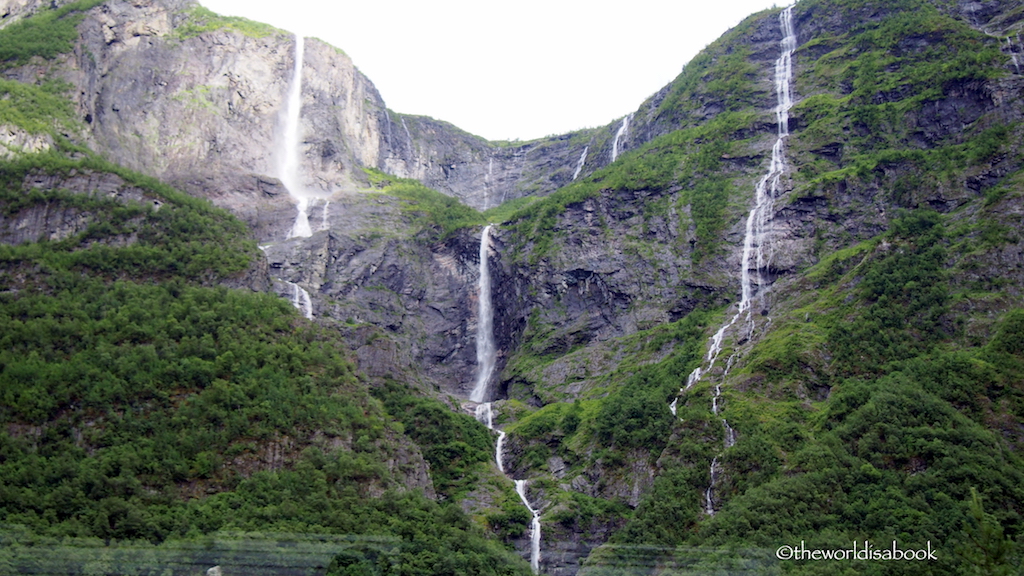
(362, 270)
(53, 221)
(13, 10)
(184, 108)
(15, 141)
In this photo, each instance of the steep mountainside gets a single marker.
(778, 303)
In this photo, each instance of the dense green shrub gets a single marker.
(45, 34)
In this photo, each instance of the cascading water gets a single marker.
(756, 240)
(408, 136)
(300, 297)
(534, 527)
(485, 349)
(1013, 55)
(623, 129)
(486, 353)
(579, 165)
(325, 223)
(301, 300)
(288, 158)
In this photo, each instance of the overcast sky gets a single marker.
(508, 70)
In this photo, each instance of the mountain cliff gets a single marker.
(778, 303)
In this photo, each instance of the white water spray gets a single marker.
(582, 161)
(623, 129)
(288, 159)
(757, 246)
(485, 349)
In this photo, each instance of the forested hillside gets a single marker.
(161, 416)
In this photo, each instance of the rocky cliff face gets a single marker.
(421, 293)
(177, 94)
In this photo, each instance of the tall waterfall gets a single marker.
(289, 157)
(485, 349)
(623, 129)
(756, 239)
(486, 353)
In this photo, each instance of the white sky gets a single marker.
(521, 69)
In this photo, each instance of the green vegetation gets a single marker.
(431, 208)
(721, 76)
(187, 237)
(506, 211)
(46, 34)
(453, 444)
(200, 20)
(149, 409)
(150, 413)
(691, 159)
(42, 109)
(903, 447)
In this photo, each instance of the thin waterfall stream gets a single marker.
(486, 354)
(623, 130)
(300, 297)
(756, 245)
(582, 161)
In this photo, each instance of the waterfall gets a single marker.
(619, 135)
(757, 247)
(1013, 55)
(487, 182)
(324, 222)
(387, 133)
(485, 349)
(583, 160)
(301, 300)
(408, 136)
(534, 527)
(289, 158)
(486, 353)
(484, 413)
(709, 496)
